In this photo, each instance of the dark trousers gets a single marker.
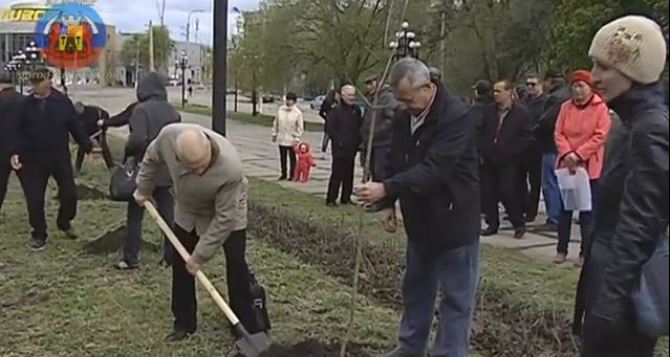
(287, 152)
(106, 153)
(501, 184)
(627, 343)
(531, 183)
(34, 176)
(585, 224)
(184, 302)
(378, 164)
(134, 215)
(5, 171)
(342, 175)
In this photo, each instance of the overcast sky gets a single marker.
(132, 15)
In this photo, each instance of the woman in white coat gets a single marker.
(287, 129)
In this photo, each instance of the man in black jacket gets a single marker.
(381, 143)
(531, 165)
(46, 119)
(506, 136)
(433, 172)
(90, 115)
(149, 116)
(10, 102)
(558, 93)
(344, 129)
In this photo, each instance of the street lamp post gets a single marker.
(188, 24)
(406, 43)
(182, 63)
(220, 66)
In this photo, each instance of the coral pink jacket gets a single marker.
(583, 131)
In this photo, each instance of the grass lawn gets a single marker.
(64, 302)
(260, 119)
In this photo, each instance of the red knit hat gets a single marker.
(581, 75)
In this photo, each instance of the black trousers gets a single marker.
(501, 185)
(342, 175)
(530, 182)
(627, 343)
(34, 176)
(287, 152)
(134, 215)
(106, 153)
(184, 302)
(5, 171)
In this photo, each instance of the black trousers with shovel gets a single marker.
(184, 302)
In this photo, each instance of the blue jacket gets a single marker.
(45, 124)
(433, 173)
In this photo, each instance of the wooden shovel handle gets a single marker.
(185, 255)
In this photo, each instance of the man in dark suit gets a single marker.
(90, 116)
(343, 127)
(46, 120)
(506, 135)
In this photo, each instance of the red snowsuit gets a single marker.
(305, 162)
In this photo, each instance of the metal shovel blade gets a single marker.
(253, 345)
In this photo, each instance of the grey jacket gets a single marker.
(149, 116)
(213, 203)
(387, 106)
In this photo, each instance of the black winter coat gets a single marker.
(45, 125)
(90, 117)
(633, 213)
(434, 174)
(507, 145)
(10, 103)
(343, 126)
(544, 131)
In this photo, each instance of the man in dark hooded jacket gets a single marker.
(149, 116)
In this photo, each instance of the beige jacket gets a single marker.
(288, 125)
(214, 203)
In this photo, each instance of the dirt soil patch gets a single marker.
(504, 326)
(113, 241)
(309, 348)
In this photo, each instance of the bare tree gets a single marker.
(160, 6)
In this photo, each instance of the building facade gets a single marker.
(196, 64)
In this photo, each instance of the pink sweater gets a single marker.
(583, 131)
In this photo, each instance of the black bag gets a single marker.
(122, 184)
(259, 305)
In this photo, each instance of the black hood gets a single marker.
(151, 86)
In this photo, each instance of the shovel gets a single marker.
(250, 345)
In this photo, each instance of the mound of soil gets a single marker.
(86, 193)
(309, 348)
(503, 326)
(112, 241)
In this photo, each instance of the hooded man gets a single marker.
(149, 116)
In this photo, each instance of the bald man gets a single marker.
(211, 210)
(343, 127)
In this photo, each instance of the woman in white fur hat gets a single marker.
(629, 55)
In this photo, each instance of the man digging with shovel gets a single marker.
(210, 192)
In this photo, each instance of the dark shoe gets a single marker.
(519, 232)
(37, 244)
(70, 233)
(282, 178)
(177, 335)
(399, 352)
(560, 258)
(489, 231)
(123, 265)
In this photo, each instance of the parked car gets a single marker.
(317, 102)
(268, 98)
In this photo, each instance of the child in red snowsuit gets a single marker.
(305, 162)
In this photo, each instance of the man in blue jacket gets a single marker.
(432, 170)
(46, 120)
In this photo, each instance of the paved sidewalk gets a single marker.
(260, 157)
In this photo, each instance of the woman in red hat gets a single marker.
(580, 133)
